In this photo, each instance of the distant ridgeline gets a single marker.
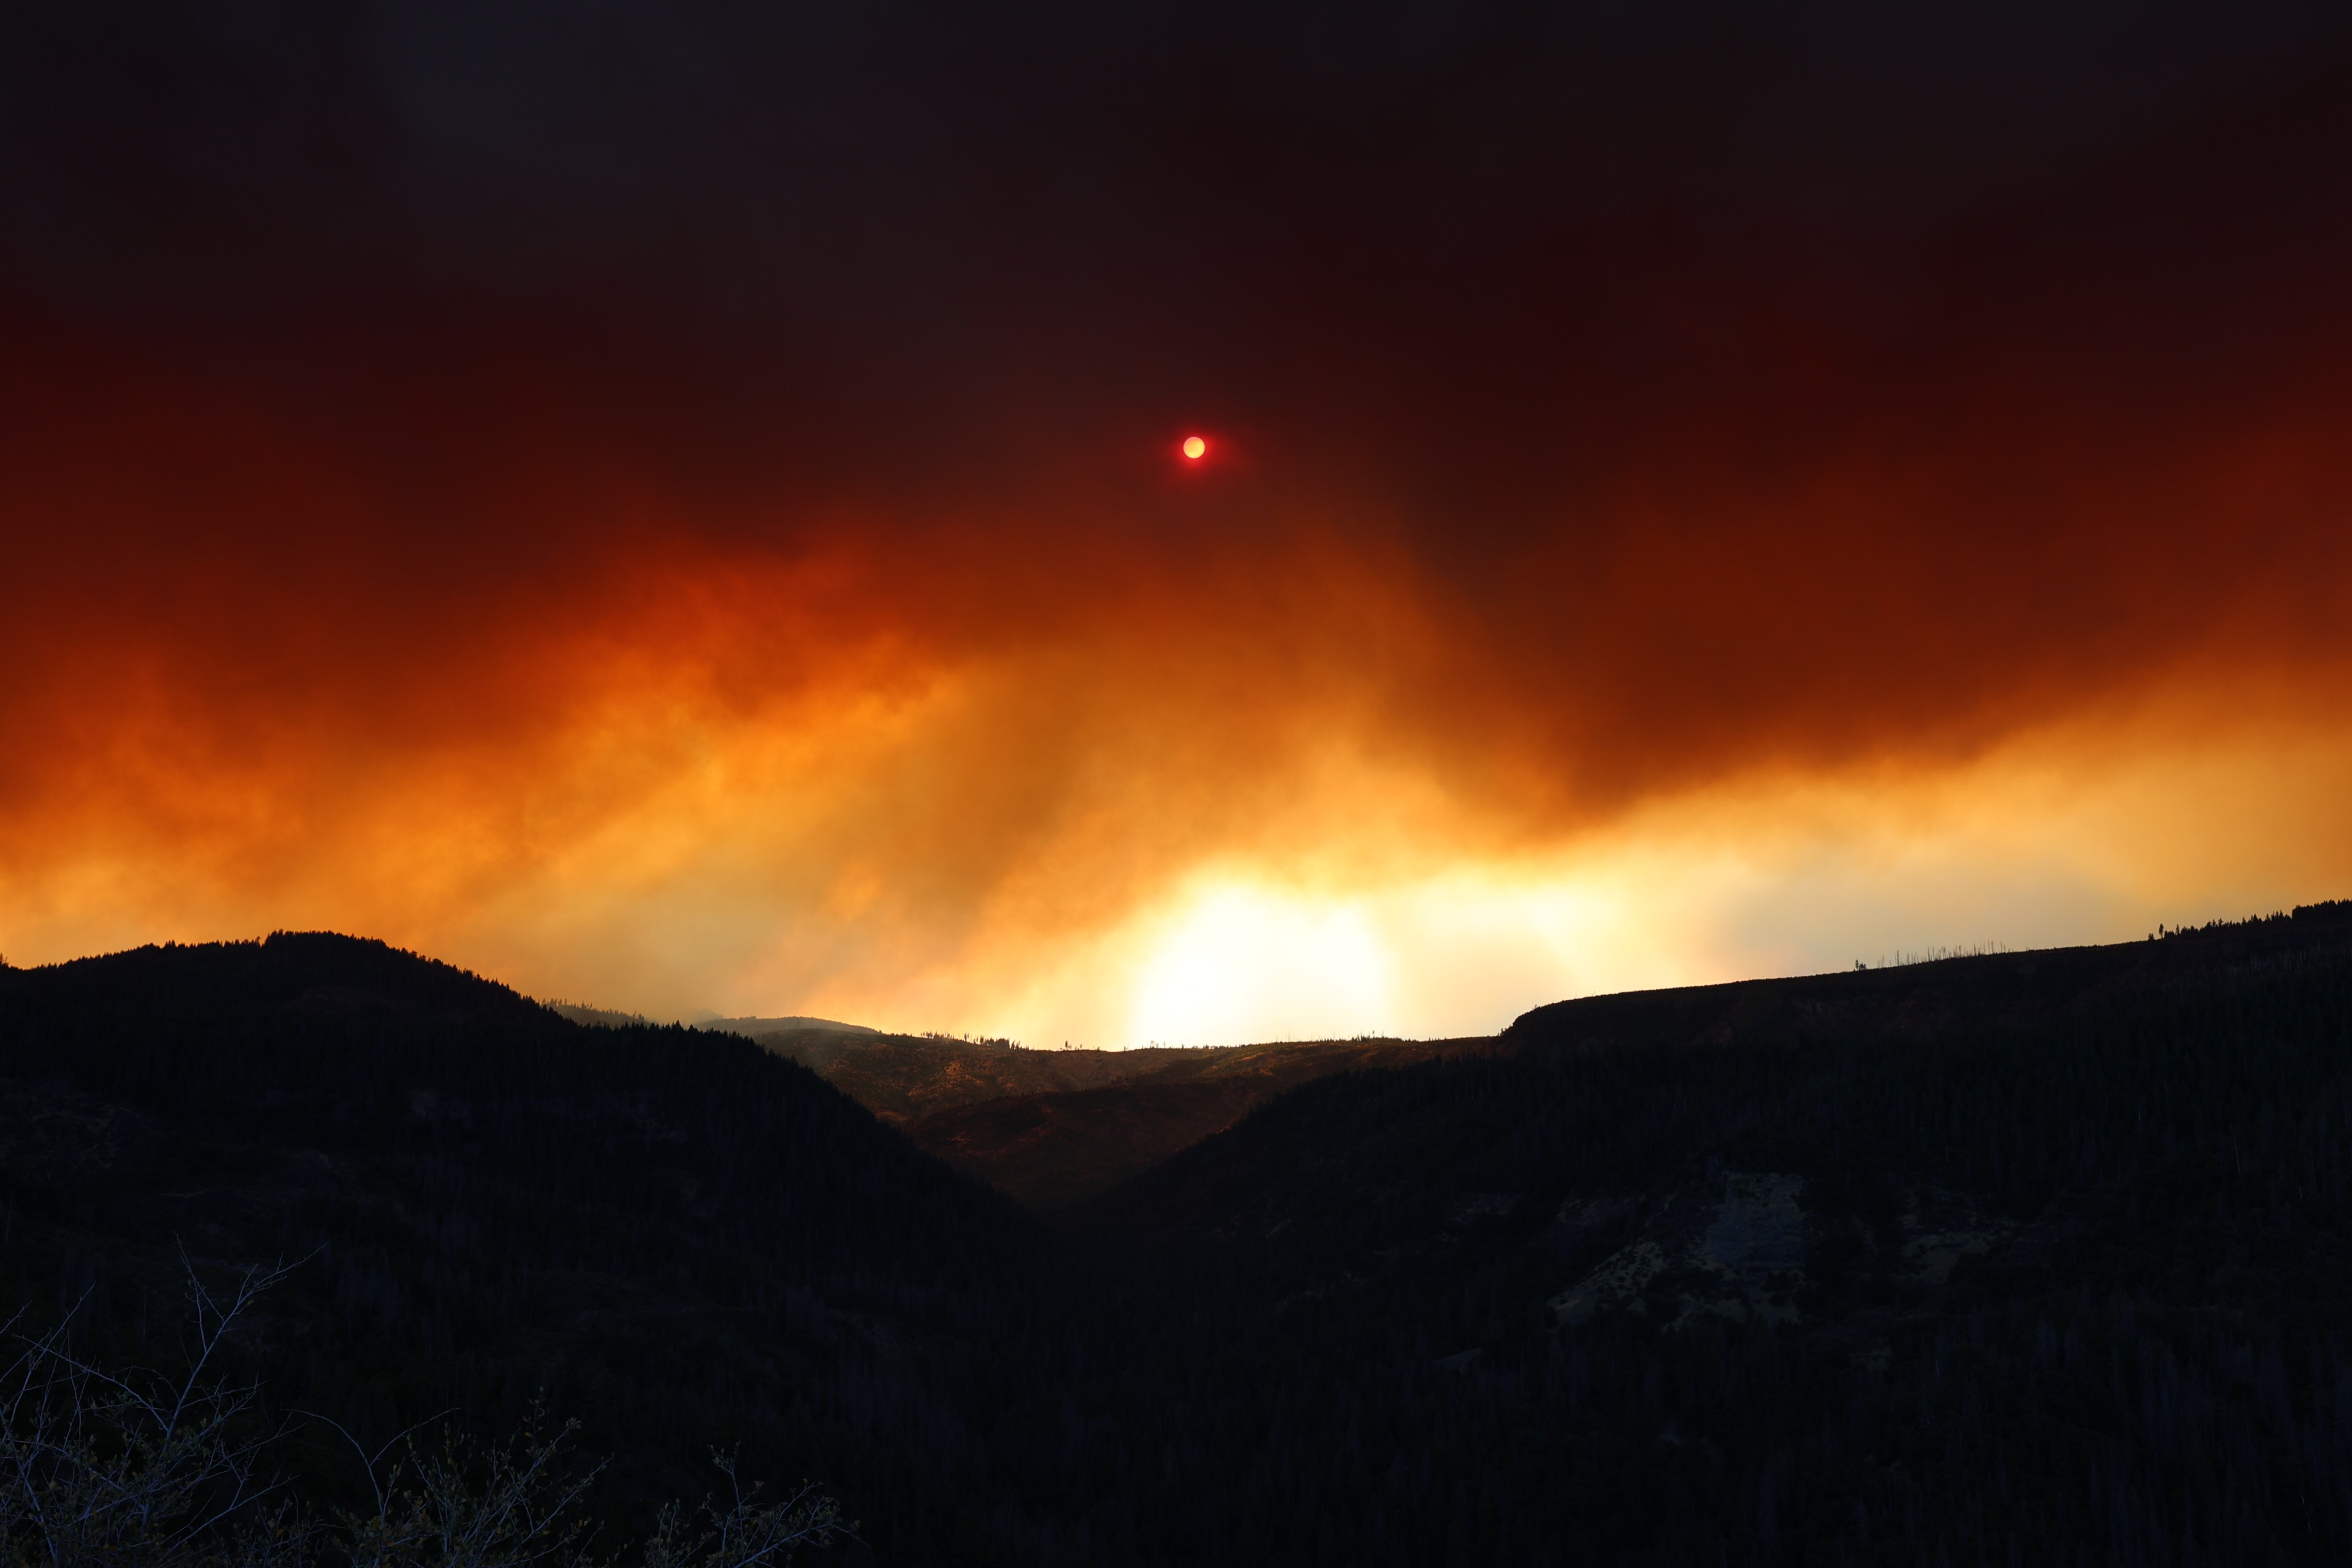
(2031, 1256)
(1051, 1128)
(611, 1018)
(1057, 1128)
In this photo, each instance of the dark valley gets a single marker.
(1055, 1128)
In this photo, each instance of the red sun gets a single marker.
(1194, 449)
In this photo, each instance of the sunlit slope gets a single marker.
(1054, 1150)
(1054, 1128)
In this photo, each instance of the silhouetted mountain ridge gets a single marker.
(319, 973)
(2041, 1256)
(753, 1027)
(1918, 1000)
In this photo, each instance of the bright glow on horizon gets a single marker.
(1195, 449)
(2031, 848)
(1245, 963)
(787, 863)
(2027, 849)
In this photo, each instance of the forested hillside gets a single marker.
(676, 1236)
(2027, 1258)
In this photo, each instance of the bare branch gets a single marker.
(135, 1467)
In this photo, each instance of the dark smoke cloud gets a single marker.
(1722, 385)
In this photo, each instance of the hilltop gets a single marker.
(311, 974)
(1919, 1000)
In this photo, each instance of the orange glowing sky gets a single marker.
(510, 526)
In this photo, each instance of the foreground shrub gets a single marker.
(136, 1469)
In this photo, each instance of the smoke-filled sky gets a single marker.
(680, 507)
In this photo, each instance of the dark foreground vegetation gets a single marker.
(2035, 1258)
(118, 1464)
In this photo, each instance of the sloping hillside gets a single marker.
(1917, 1000)
(2040, 1258)
(676, 1236)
